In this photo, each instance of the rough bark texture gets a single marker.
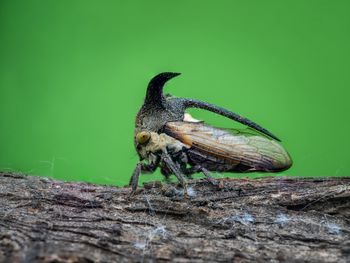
(238, 220)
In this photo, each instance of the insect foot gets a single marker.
(173, 192)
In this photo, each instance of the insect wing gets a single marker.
(235, 150)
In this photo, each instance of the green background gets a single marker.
(73, 75)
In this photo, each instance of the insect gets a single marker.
(169, 138)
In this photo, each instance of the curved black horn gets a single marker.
(154, 95)
(191, 103)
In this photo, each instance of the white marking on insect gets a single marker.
(189, 118)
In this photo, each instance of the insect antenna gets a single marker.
(192, 103)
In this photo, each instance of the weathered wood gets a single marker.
(238, 220)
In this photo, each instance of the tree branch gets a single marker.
(237, 220)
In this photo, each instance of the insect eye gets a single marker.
(143, 137)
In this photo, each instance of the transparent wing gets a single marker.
(229, 147)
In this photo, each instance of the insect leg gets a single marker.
(135, 177)
(197, 168)
(134, 180)
(192, 170)
(169, 162)
(208, 177)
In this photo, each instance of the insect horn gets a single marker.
(191, 103)
(154, 95)
(173, 109)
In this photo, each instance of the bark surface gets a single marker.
(237, 220)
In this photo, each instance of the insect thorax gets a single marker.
(158, 144)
